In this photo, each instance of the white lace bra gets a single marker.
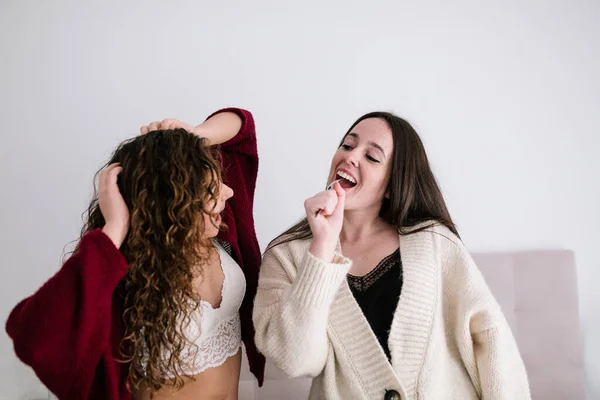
(215, 332)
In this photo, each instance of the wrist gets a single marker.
(323, 249)
(198, 130)
(219, 128)
(115, 234)
(202, 132)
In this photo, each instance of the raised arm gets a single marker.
(292, 305)
(62, 330)
(66, 324)
(229, 126)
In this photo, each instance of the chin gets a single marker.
(350, 207)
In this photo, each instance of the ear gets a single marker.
(387, 194)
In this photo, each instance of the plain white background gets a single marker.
(505, 95)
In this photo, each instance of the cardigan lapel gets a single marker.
(413, 319)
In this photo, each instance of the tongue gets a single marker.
(346, 184)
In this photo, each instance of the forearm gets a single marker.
(220, 127)
(502, 373)
(290, 318)
(68, 319)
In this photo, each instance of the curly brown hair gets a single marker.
(169, 179)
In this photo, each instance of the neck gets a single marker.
(359, 225)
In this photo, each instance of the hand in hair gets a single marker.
(325, 214)
(165, 124)
(218, 129)
(113, 207)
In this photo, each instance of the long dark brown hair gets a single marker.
(414, 194)
(168, 180)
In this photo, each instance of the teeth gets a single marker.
(346, 176)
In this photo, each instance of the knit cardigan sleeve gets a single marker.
(291, 309)
(486, 343)
(62, 330)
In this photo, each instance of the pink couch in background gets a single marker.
(538, 294)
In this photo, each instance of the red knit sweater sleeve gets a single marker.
(244, 143)
(62, 330)
(240, 170)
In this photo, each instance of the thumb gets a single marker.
(341, 197)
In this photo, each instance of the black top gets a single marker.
(377, 294)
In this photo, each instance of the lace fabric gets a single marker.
(363, 283)
(216, 347)
(215, 334)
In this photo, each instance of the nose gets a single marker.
(226, 192)
(351, 157)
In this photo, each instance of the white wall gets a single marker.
(505, 96)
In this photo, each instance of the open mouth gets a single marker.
(347, 181)
(217, 219)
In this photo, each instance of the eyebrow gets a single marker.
(357, 136)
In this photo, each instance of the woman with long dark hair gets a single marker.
(373, 294)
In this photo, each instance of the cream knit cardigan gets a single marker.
(448, 340)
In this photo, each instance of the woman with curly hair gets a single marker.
(157, 297)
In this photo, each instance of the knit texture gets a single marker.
(67, 331)
(70, 330)
(240, 170)
(449, 338)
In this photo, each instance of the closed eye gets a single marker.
(372, 159)
(346, 147)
